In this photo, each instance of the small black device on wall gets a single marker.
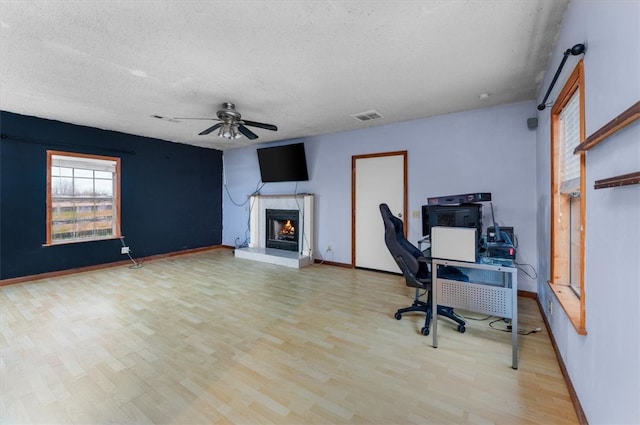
(285, 163)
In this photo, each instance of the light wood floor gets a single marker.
(206, 339)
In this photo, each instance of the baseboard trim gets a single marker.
(528, 294)
(332, 263)
(22, 279)
(582, 418)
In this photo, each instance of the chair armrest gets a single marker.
(427, 262)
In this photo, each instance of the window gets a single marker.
(83, 201)
(568, 198)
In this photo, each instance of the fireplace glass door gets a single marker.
(282, 229)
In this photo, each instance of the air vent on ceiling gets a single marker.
(368, 115)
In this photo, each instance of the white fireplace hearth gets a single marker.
(257, 249)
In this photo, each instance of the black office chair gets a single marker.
(415, 268)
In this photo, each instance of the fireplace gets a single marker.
(282, 229)
(299, 208)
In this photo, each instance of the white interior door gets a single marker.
(377, 178)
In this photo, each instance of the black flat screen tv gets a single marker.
(287, 163)
(463, 215)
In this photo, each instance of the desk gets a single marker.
(492, 289)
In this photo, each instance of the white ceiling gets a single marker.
(305, 66)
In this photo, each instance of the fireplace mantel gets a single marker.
(257, 250)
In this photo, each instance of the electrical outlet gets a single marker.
(415, 214)
(328, 248)
(124, 250)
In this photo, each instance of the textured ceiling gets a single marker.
(305, 66)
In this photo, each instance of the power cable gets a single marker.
(136, 264)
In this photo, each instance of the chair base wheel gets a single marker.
(461, 329)
(424, 331)
(398, 316)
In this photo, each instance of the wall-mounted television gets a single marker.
(287, 163)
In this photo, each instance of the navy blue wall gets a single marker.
(171, 195)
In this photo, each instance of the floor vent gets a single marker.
(368, 115)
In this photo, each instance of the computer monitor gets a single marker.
(463, 215)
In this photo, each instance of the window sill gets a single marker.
(108, 238)
(571, 305)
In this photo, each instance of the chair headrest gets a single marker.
(397, 243)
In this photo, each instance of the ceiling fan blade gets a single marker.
(260, 125)
(248, 133)
(210, 129)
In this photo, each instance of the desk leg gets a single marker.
(434, 304)
(514, 320)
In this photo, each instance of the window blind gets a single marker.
(83, 163)
(570, 128)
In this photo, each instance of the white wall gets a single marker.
(485, 150)
(604, 365)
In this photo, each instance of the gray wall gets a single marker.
(604, 365)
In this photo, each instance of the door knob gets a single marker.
(400, 215)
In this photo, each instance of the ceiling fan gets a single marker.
(231, 125)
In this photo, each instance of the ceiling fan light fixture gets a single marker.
(229, 131)
(224, 131)
(231, 125)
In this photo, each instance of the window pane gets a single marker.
(83, 187)
(63, 223)
(66, 171)
(104, 188)
(574, 240)
(61, 186)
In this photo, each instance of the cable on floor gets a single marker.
(479, 319)
(509, 330)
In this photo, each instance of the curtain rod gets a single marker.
(578, 49)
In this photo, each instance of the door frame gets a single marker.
(354, 158)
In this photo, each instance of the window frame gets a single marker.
(572, 303)
(116, 198)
